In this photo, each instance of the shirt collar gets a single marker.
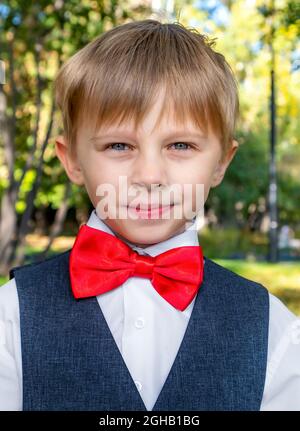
(189, 237)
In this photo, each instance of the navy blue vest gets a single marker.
(71, 362)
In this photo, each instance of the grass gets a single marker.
(3, 280)
(281, 279)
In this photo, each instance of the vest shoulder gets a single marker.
(226, 276)
(42, 265)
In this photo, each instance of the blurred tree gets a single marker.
(35, 38)
(239, 28)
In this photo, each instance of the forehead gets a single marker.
(161, 118)
(161, 134)
(161, 115)
(147, 128)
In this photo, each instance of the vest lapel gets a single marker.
(119, 367)
(177, 378)
(180, 377)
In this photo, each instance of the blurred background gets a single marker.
(252, 220)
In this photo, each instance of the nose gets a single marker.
(149, 169)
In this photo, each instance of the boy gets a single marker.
(133, 317)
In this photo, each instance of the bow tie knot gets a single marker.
(143, 266)
(100, 262)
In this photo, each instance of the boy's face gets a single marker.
(167, 155)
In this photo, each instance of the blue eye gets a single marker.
(182, 143)
(119, 146)
(117, 143)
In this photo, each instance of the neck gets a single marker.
(179, 231)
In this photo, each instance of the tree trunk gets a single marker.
(8, 217)
(19, 253)
(59, 220)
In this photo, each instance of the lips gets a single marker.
(142, 207)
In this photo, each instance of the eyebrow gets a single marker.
(129, 135)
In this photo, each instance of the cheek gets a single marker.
(196, 177)
(99, 178)
(98, 171)
(195, 182)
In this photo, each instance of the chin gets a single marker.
(145, 234)
(142, 241)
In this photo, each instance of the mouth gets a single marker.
(141, 207)
(150, 211)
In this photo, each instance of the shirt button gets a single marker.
(139, 323)
(138, 384)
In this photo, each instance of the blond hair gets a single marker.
(115, 78)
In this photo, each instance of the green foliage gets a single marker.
(282, 280)
(235, 243)
(39, 37)
(44, 34)
(245, 181)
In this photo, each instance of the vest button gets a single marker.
(139, 323)
(138, 384)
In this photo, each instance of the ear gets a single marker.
(223, 164)
(69, 161)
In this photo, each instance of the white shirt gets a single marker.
(144, 325)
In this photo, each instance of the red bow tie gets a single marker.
(100, 262)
